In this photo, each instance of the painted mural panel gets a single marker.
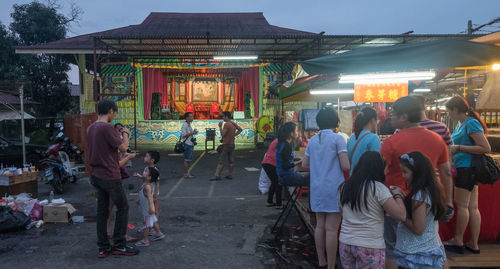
(167, 133)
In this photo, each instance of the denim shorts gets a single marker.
(188, 153)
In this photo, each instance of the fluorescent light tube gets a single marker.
(331, 91)
(422, 90)
(387, 77)
(244, 57)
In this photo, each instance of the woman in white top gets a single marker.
(326, 155)
(363, 199)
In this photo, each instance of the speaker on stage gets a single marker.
(155, 106)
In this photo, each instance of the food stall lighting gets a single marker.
(387, 77)
(443, 99)
(235, 57)
(331, 91)
(495, 67)
(422, 90)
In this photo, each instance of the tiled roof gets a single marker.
(185, 25)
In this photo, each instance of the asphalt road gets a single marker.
(207, 224)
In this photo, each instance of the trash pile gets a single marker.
(294, 248)
(20, 212)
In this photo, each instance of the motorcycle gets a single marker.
(72, 150)
(57, 168)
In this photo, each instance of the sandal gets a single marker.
(270, 204)
(279, 207)
(215, 179)
(474, 251)
(159, 237)
(451, 246)
(141, 244)
(132, 239)
(229, 177)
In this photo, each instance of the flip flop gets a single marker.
(455, 248)
(156, 238)
(141, 244)
(190, 176)
(474, 251)
(132, 240)
(270, 204)
(279, 207)
(215, 179)
(228, 177)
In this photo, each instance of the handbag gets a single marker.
(179, 146)
(486, 169)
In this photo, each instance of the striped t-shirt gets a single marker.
(438, 128)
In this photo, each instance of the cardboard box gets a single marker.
(60, 213)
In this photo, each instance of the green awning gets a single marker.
(117, 70)
(406, 57)
(305, 84)
(276, 68)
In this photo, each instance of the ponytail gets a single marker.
(463, 106)
(363, 118)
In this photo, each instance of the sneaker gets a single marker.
(103, 253)
(125, 250)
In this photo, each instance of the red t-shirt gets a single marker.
(408, 140)
(103, 142)
(270, 157)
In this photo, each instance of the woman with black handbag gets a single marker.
(468, 140)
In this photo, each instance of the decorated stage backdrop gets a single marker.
(165, 133)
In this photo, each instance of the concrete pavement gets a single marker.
(207, 224)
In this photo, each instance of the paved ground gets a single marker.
(208, 224)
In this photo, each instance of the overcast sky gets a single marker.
(331, 16)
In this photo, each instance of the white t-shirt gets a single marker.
(186, 129)
(365, 228)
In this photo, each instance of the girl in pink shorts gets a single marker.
(363, 198)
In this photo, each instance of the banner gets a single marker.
(386, 92)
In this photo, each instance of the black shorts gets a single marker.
(465, 179)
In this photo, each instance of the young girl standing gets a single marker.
(418, 244)
(149, 177)
(363, 198)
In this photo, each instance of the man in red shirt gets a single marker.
(229, 132)
(104, 141)
(407, 113)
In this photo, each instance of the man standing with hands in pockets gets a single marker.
(228, 132)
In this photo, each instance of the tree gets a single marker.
(8, 57)
(44, 76)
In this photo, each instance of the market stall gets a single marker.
(387, 72)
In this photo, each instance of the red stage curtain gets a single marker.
(249, 82)
(153, 81)
(489, 202)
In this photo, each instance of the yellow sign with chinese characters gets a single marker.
(386, 92)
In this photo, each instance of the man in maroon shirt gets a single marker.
(104, 141)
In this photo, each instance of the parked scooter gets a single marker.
(57, 168)
(72, 150)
